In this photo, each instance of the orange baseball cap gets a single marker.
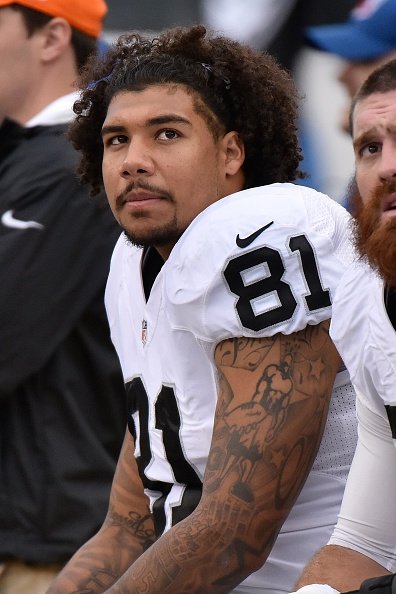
(85, 15)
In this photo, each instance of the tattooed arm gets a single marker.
(126, 532)
(272, 406)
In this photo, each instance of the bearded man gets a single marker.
(363, 544)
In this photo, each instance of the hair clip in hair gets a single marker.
(227, 83)
(107, 79)
(207, 67)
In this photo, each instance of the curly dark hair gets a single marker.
(237, 89)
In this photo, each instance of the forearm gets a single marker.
(366, 521)
(341, 568)
(102, 560)
(91, 570)
(127, 532)
(210, 551)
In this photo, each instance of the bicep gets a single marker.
(273, 400)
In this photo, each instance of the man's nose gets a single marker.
(137, 161)
(387, 168)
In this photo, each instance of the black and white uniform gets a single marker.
(256, 263)
(364, 334)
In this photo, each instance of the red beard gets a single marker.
(375, 240)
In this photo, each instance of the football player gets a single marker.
(219, 301)
(363, 327)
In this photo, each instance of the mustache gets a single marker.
(141, 185)
(387, 187)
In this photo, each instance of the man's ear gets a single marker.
(56, 36)
(234, 152)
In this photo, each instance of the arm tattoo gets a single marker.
(286, 370)
(273, 398)
(140, 526)
(98, 568)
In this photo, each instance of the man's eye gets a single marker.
(168, 135)
(115, 140)
(369, 149)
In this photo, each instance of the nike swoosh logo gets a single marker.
(8, 220)
(243, 242)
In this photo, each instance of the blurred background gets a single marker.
(276, 26)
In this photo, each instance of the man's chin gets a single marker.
(157, 237)
(132, 240)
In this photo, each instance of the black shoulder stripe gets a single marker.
(385, 584)
(391, 412)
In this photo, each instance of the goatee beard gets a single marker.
(166, 235)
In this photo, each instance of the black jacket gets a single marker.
(62, 415)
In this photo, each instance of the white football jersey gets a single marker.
(366, 340)
(258, 262)
(360, 318)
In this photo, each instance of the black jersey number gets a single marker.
(167, 420)
(247, 293)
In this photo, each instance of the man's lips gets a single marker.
(139, 196)
(390, 203)
(139, 199)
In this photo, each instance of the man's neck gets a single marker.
(53, 82)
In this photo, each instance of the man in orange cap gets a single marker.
(61, 393)
(72, 29)
(84, 16)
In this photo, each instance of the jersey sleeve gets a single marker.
(259, 262)
(360, 319)
(367, 518)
